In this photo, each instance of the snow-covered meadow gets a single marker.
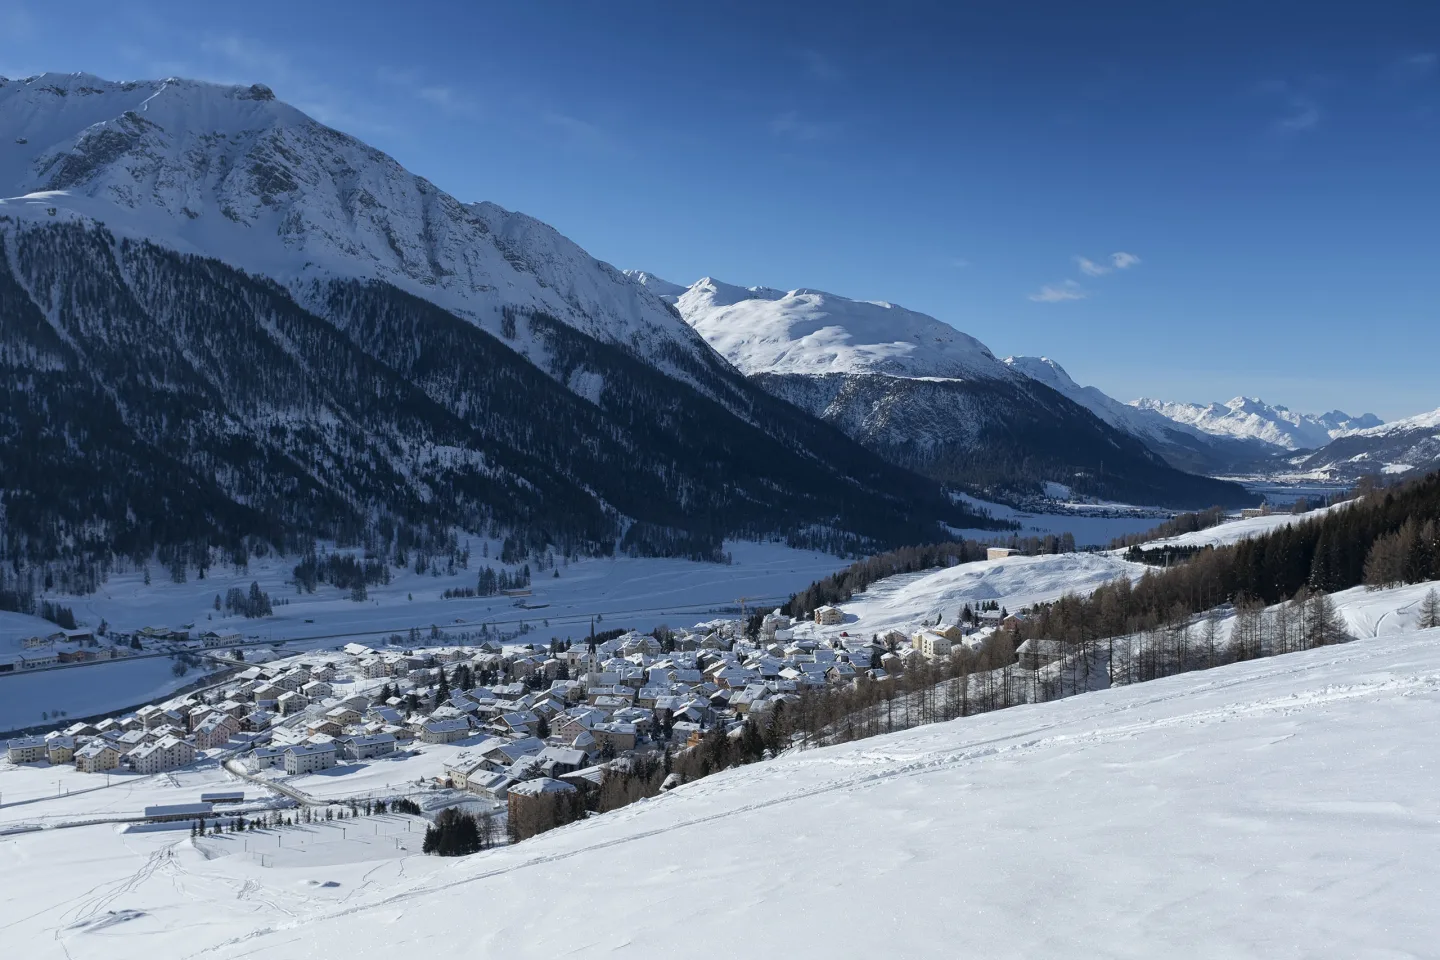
(1283, 806)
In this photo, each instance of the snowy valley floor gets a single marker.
(1287, 807)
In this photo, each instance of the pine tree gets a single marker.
(1323, 625)
(1430, 610)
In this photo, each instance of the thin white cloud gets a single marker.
(1060, 292)
(960, 263)
(1120, 260)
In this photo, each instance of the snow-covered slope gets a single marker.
(1246, 418)
(236, 174)
(810, 332)
(1411, 445)
(1284, 805)
(664, 289)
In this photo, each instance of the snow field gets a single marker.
(1281, 807)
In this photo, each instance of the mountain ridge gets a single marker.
(277, 323)
(929, 397)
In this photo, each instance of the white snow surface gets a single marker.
(230, 172)
(1248, 418)
(761, 330)
(1421, 421)
(1233, 531)
(1279, 807)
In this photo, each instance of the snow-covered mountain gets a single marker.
(1411, 445)
(1247, 418)
(1183, 445)
(223, 320)
(234, 173)
(927, 396)
(811, 332)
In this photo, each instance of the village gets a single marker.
(493, 722)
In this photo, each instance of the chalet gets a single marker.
(501, 754)
(32, 643)
(262, 757)
(932, 643)
(343, 715)
(37, 659)
(27, 750)
(309, 757)
(324, 673)
(323, 726)
(60, 748)
(366, 747)
(315, 689)
(444, 731)
(167, 753)
(219, 638)
(215, 731)
(465, 766)
(291, 702)
(492, 786)
(618, 736)
(554, 761)
(97, 756)
(828, 616)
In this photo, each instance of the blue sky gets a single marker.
(1273, 169)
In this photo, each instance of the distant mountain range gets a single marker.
(1245, 418)
(928, 397)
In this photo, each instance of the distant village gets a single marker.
(531, 720)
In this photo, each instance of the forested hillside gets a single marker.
(1387, 537)
(159, 402)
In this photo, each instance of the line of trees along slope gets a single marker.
(159, 403)
(1387, 537)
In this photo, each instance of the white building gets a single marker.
(445, 731)
(309, 757)
(97, 756)
(932, 643)
(167, 753)
(828, 616)
(366, 747)
(27, 750)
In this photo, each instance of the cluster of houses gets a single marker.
(151, 740)
(555, 714)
